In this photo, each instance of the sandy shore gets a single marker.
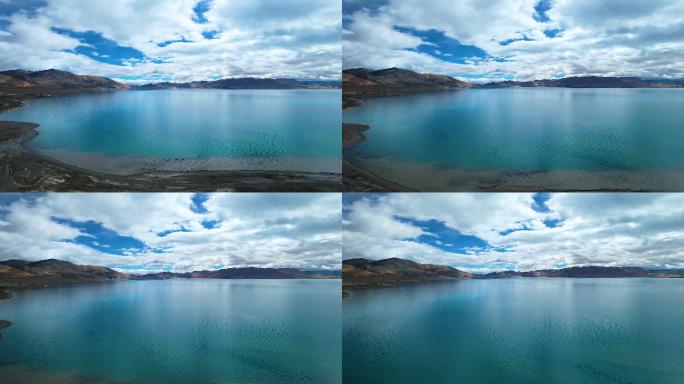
(22, 169)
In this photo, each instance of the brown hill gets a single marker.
(54, 80)
(394, 271)
(359, 83)
(27, 274)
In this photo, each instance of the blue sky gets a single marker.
(516, 39)
(173, 39)
(141, 233)
(486, 232)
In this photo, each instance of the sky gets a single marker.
(177, 232)
(490, 40)
(141, 41)
(486, 232)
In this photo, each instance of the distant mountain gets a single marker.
(241, 273)
(358, 83)
(361, 83)
(20, 273)
(243, 83)
(585, 272)
(588, 82)
(394, 271)
(53, 79)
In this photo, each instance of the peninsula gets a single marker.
(22, 169)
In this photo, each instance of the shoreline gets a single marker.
(434, 178)
(5, 294)
(357, 179)
(357, 285)
(22, 169)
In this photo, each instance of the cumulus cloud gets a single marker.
(177, 232)
(570, 38)
(177, 40)
(521, 231)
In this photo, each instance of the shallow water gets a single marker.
(177, 331)
(524, 130)
(244, 126)
(525, 331)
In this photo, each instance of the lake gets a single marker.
(539, 138)
(124, 131)
(175, 331)
(527, 331)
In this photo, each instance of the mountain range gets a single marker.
(29, 274)
(360, 83)
(588, 82)
(394, 271)
(244, 83)
(52, 80)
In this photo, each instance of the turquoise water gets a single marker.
(271, 125)
(525, 130)
(526, 331)
(178, 331)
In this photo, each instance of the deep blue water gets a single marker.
(524, 130)
(517, 331)
(272, 126)
(176, 331)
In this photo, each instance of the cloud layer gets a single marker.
(519, 231)
(151, 232)
(173, 40)
(523, 40)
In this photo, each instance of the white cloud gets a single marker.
(281, 38)
(607, 37)
(267, 230)
(607, 229)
